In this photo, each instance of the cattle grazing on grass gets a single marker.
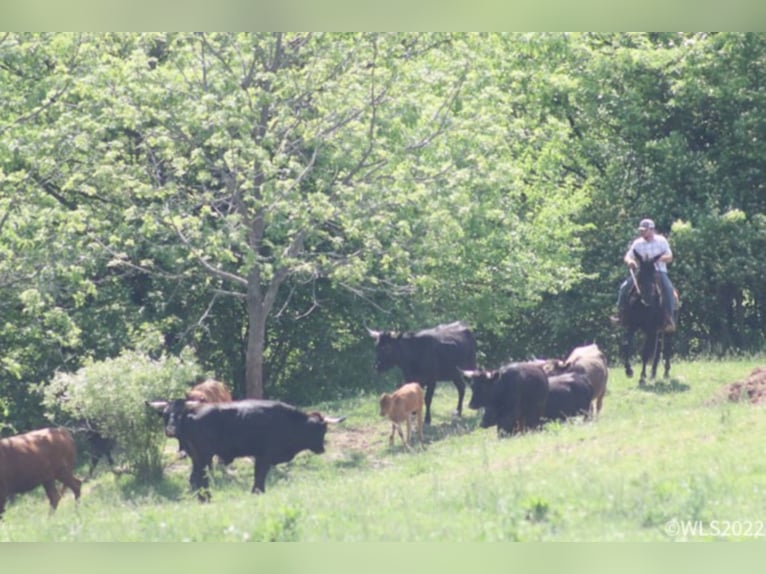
(428, 356)
(513, 397)
(591, 362)
(405, 404)
(569, 395)
(270, 431)
(39, 457)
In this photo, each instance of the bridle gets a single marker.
(645, 298)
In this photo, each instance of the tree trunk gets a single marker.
(256, 340)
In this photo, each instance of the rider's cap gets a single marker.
(646, 224)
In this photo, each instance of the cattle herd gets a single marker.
(515, 398)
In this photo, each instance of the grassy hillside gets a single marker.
(656, 458)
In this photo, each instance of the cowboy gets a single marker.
(649, 244)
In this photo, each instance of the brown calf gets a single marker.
(403, 404)
(39, 457)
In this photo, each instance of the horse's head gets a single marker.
(646, 278)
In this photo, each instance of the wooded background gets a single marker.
(260, 199)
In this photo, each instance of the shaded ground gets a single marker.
(752, 389)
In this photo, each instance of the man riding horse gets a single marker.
(649, 245)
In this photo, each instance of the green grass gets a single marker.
(670, 451)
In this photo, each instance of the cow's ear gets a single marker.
(637, 255)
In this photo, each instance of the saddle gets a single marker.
(656, 289)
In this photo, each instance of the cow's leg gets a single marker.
(2, 506)
(401, 436)
(71, 481)
(430, 388)
(53, 493)
(93, 462)
(199, 479)
(391, 436)
(460, 385)
(409, 427)
(537, 416)
(262, 467)
(420, 425)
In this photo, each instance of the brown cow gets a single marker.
(209, 391)
(39, 457)
(590, 361)
(402, 405)
(206, 392)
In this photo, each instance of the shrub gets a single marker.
(110, 395)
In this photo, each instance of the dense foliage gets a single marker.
(109, 397)
(261, 198)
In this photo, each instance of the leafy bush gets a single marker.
(110, 396)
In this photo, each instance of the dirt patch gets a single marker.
(752, 389)
(351, 439)
(357, 446)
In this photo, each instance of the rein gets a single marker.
(635, 281)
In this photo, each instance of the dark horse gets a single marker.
(645, 313)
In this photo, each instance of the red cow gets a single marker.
(39, 457)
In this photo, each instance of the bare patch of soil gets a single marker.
(752, 389)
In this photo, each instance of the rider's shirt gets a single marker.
(657, 246)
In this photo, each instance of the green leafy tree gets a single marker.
(266, 157)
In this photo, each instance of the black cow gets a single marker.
(569, 395)
(271, 431)
(99, 447)
(428, 356)
(513, 397)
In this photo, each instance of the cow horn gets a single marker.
(157, 405)
(467, 374)
(374, 334)
(193, 404)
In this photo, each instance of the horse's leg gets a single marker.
(667, 351)
(648, 352)
(627, 347)
(658, 347)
